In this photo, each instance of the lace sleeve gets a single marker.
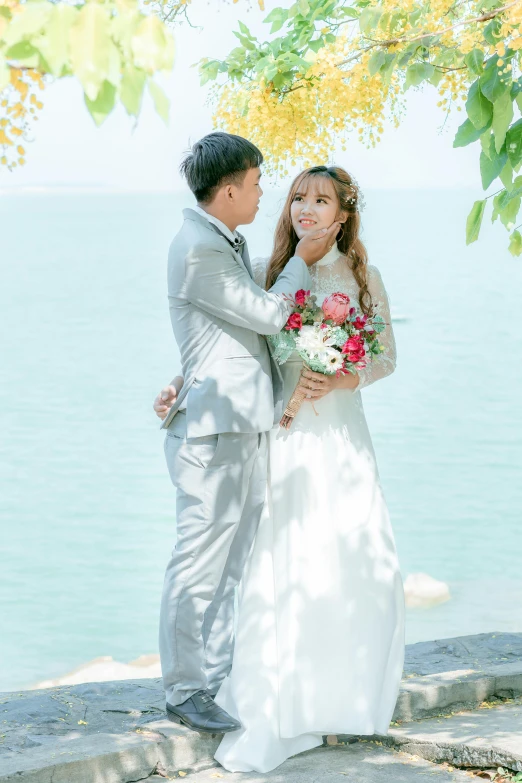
(384, 364)
(259, 268)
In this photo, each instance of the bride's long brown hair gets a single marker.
(350, 245)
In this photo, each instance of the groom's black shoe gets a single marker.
(201, 713)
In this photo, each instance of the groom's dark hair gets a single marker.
(216, 160)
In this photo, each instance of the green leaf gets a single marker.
(514, 143)
(90, 48)
(506, 205)
(405, 58)
(21, 51)
(491, 84)
(274, 15)
(347, 11)
(161, 102)
(277, 24)
(316, 45)
(384, 21)
(376, 62)
(5, 12)
(497, 205)
(436, 77)
(502, 116)
(478, 107)
(492, 32)
(30, 19)
(131, 90)
(490, 167)
(369, 19)
(387, 69)
(519, 101)
(486, 145)
(474, 60)
(244, 29)
(153, 46)
(303, 7)
(417, 73)
(509, 213)
(506, 176)
(474, 221)
(515, 244)
(208, 71)
(54, 44)
(102, 106)
(467, 134)
(246, 42)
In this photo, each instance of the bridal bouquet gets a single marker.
(333, 339)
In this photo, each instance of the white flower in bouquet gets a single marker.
(315, 342)
(334, 360)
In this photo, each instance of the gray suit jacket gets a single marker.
(219, 316)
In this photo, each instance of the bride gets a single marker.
(320, 629)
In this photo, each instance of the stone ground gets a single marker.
(117, 732)
(359, 763)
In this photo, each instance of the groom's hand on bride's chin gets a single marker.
(315, 245)
(164, 401)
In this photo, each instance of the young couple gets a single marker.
(296, 517)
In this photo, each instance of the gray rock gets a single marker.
(459, 673)
(360, 763)
(488, 737)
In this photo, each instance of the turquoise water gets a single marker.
(86, 506)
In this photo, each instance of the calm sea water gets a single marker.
(86, 506)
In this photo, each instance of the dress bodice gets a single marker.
(333, 274)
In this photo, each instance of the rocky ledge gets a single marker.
(460, 704)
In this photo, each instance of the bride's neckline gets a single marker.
(331, 257)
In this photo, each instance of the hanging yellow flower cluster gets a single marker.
(307, 121)
(19, 107)
(349, 86)
(19, 103)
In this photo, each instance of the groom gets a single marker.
(216, 444)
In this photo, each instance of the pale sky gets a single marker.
(69, 151)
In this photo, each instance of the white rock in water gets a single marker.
(105, 668)
(422, 590)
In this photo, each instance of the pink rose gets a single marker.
(301, 296)
(354, 349)
(336, 308)
(294, 322)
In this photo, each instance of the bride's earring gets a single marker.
(338, 238)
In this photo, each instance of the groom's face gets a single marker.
(246, 197)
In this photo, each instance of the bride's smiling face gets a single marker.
(315, 205)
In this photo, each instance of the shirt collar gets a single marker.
(233, 237)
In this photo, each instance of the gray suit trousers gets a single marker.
(221, 485)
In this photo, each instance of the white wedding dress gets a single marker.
(320, 630)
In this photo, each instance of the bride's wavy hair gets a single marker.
(350, 245)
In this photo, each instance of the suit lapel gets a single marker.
(246, 256)
(241, 254)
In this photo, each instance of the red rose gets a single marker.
(359, 322)
(336, 308)
(294, 322)
(301, 296)
(354, 349)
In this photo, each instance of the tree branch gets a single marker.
(394, 41)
